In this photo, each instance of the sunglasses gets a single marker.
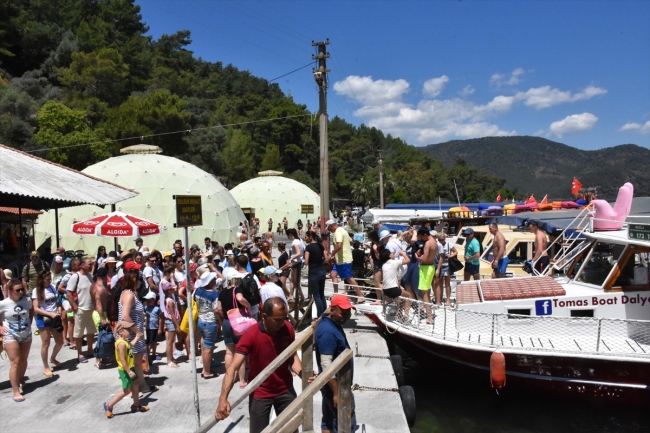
(180, 261)
(20, 290)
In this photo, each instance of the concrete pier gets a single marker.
(71, 401)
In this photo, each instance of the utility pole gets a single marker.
(320, 75)
(381, 182)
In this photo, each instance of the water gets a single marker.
(453, 404)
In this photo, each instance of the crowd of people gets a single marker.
(141, 297)
(241, 296)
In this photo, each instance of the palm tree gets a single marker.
(363, 189)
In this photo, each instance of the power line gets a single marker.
(295, 70)
(183, 131)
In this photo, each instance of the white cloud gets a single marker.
(371, 92)
(434, 86)
(573, 123)
(431, 119)
(643, 129)
(539, 133)
(499, 80)
(544, 97)
(467, 90)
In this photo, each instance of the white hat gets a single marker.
(231, 273)
(205, 279)
(329, 223)
(146, 253)
(58, 259)
(270, 270)
(150, 295)
(384, 234)
(119, 265)
(375, 222)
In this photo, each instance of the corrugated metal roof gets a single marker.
(30, 181)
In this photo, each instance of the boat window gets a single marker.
(519, 253)
(582, 313)
(604, 257)
(460, 241)
(488, 255)
(635, 271)
(519, 311)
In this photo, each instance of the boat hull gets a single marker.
(625, 381)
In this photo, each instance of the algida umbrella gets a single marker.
(116, 224)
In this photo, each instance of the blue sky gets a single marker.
(577, 72)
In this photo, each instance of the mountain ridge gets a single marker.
(535, 165)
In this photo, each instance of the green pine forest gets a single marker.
(84, 71)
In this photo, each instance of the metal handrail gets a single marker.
(304, 341)
(625, 338)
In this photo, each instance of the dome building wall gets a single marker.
(157, 178)
(276, 197)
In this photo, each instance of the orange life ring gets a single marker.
(497, 370)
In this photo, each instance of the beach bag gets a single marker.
(105, 348)
(185, 321)
(240, 318)
(455, 265)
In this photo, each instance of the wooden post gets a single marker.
(345, 398)
(307, 371)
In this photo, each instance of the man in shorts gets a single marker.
(472, 254)
(83, 307)
(343, 254)
(500, 262)
(426, 257)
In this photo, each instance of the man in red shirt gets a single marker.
(261, 344)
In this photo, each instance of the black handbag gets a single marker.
(454, 264)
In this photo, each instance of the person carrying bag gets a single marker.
(240, 318)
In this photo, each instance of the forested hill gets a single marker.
(80, 78)
(540, 166)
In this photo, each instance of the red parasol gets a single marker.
(116, 224)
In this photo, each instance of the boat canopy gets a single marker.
(398, 216)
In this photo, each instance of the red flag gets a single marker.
(530, 199)
(499, 198)
(545, 199)
(575, 186)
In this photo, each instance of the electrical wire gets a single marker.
(295, 70)
(142, 137)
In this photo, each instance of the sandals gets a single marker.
(82, 360)
(172, 365)
(47, 374)
(212, 376)
(108, 411)
(56, 363)
(19, 399)
(139, 408)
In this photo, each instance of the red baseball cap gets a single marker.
(132, 266)
(342, 302)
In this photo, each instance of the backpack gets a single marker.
(105, 348)
(114, 300)
(249, 289)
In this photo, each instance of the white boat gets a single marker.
(583, 329)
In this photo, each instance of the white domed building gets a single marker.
(273, 196)
(157, 178)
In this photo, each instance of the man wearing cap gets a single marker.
(260, 345)
(138, 244)
(59, 252)
(330, 342)
(271, 289)
(472, 254)
(83, 307)
(343, 254)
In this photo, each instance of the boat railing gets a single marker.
(567, 240)
(570, 335)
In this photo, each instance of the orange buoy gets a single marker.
(497, 370)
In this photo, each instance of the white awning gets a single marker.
(32, 182)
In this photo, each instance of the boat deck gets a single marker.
(587, 336)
